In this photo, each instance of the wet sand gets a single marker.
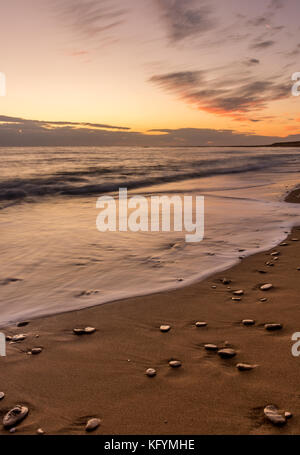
(102, 374)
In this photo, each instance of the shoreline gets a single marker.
(102, 375)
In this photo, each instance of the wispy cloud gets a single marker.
(234, 97)
(186, 18)
(90, 18)
(263, 44)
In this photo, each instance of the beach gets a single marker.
(102, 374)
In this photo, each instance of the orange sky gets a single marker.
(153, 64)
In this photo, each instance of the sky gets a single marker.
(149, 72)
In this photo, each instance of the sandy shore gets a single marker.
(103, 374)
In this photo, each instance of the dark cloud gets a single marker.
(18, 132)
(45, 124)
(90, 18)
(234, 97)
(263, 44)
(186, 18)
(252, 61)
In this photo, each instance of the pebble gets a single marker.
(275, 253)
(284, 244)
(13, 430)
(248, 321)
(175, 363)
(36, 351)
(40, 431)
(273, 326)
(239, 292)
(236, 299)
(273, 415)
(22, 324)
(211, 347)
(270, 264)
(151, 372)
(244, 366)
(2, 395)
(165, 328)
(288, 415)
(86, 330)
(263, 299)
(15, 416)
(201, 324)
(298, 268)
(226, 281)
(295, 240)
(266, 287)
(226, 353)
(92, 424)
(214, 287)
(19, 337)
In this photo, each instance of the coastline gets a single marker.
(103, 374)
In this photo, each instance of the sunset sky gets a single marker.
(161, 72)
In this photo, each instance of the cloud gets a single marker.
(263, 44)
(276, 4)
(185, 18)
(18, 132)
(252, 61)
(234, 97)
(90, 18)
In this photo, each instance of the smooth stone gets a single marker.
(175, 363)
(262, 271)
(226, 353)
(92, 424)
(36, 351)
(295, 240)
(22, 324)
(248, 321)
(266, 287)
(270, 264)
(226, 281)
(211, 347)
(19, 337)
(201, 324)
(151, 372)
(244, 366)
(239, 292)
(15, 416)
(214, 287)
(165, 328)
(236, 299)
(40, 431)
(298, 268)
(288, 415)
(2, 395)
(275, 253)
(284, 244)
(12, 430)
(263, 299)
(9, 338)
(273, 326)
(86, 330)
(273, 415)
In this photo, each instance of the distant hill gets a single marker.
(286, 144)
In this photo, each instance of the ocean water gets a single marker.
(53, 259)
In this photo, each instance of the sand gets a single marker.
(102, 374)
